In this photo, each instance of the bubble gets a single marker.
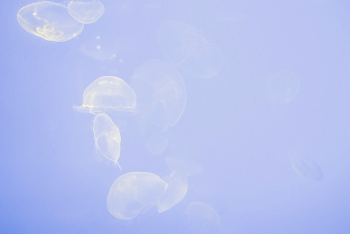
(203, 218)
(283, 88)
(108, 94)
(107, 138)
(162, 93)
(185, 167)
(189, 49)
(175, 192)
(100, 48)
(86, 12)
(50, 21)
(134, 193)
(304, 166)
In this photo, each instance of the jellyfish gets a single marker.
(50, 21)
(107, 138)
(189, 49)
(108, 94)
(283, 88)
(203, 218)
(304, 166)
(134, 193)
(100, 48)
(185, 167)
(86, 12)
(176, 190)
(162, 93)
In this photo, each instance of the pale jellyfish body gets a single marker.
(162, 93)
(107, 137)
(86, 12)
(50, 21)
(134, 193)
(189, 49)
(304, 166)
(175, 192)
(108, 94)
(203, 218)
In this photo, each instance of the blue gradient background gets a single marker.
(51, 182)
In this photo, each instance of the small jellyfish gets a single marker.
(50, 21)
(203, 218)
(176, 190)
(283, 88)
(185, 167)
(162, 93)
(107, 138)
(304, 166)
(107, 94)
(86, 12)
(134, 193)
(100, 48)
(189, 49)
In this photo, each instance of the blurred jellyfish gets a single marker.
(189, 49)
(182, 166)
(86, 12)
(156, 142)
(176, 190)
(100, 48)
(304, 166)
(283, 88)
(107, 138)
(134, 193)
(50, 21)
(203, 218)
(161, 91)
(107, 94)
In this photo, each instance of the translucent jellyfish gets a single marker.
(185, 167)
(283, 88)
(100, 48)
(134, 193)
(50, 21)
(161, 93)
(107, 94)
(189, 49)
(203, 218)
(304, 166)
(107, 138)
(87, 12)
(175, 192)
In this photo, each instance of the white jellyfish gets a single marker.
(86, 12)
(190, 49)
(134, 193)
(50, 21)
(304, 166)
(162, 93)
(108, 94)
(107, 138)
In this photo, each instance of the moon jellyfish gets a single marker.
(283, 88)
(189, 49)
(161, 91)
(106, 94)
(203, 218)
(305, 167)
(134, 193)
(86, 12)
(107, 137)
(175, 192)
(185, 167)
(100, 48)
(50, 21)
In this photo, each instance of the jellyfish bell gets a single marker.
(50, 21)
(107, 138)
(304, 166)
(108, 94)
(86, 12)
